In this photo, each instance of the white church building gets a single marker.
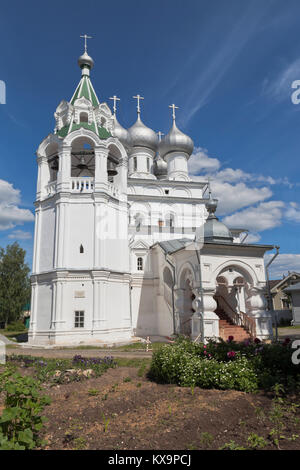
(126, 244)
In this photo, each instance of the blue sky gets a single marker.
(228, 65)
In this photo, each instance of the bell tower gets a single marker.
(80, 275)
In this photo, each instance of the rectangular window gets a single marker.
(140, 264)
(79, 319)
(148, 164)
(134, 164)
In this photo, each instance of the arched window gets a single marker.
(170, 220)
(84, 117)
(138, 221)
(81, 249)
(140, 264)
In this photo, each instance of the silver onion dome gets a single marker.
(121, 133)
(142, 136)
(85, 60)
(176, 141)
(160, 168)
(214, 230)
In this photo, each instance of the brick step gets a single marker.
(228, 328)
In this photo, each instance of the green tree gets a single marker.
(14, 282)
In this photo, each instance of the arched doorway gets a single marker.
(233, 289)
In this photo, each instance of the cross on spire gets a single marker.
(138, 98)
(160, 134)
(85, 37)
(115, 99)
(173, 110)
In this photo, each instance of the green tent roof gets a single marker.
(85, 89)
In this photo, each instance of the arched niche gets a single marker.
(51, 153)
(82, 157)
(114, 158)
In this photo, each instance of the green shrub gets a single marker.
(225, 365)
(16, 326)
(21, 422)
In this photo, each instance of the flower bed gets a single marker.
(64, 370)
(246, 366)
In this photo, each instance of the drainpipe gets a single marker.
(173, 299)
(200, 282)
(270, 301)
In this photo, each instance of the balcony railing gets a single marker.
(82, 185)
(51, 188)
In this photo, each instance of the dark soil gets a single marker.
(140, 414)
(121, 410)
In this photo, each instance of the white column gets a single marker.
(205, 322)
(101, 180)
(33, 313)
(43, 177)
(64, 169)
(257, 304)
(37, 236)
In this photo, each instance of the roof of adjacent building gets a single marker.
(276, 283)
(293, 287)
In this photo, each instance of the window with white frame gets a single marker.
(79, 319)
(140, 264)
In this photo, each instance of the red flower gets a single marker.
(231, 354)
(230, 339)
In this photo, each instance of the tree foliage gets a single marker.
(14, 282)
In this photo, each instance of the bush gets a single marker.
(225, 365)
(16, 326)
(21, 422)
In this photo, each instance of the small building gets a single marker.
(282, 304)
(294, 292)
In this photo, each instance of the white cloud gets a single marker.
(233, 197)
(283, 264)
(8, 194)
(265, 216)
(10, 214)
(200, 162)
(252, 238)
(293, 212)
(20, 235)
(279, 88)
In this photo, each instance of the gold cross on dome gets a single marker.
(85, 37)
(173, 110)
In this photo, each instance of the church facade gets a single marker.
(126, 244)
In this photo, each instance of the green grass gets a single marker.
(124, 348)
(297, 327)
(136, 362)
(11, 334)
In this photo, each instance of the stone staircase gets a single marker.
(228, 328)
